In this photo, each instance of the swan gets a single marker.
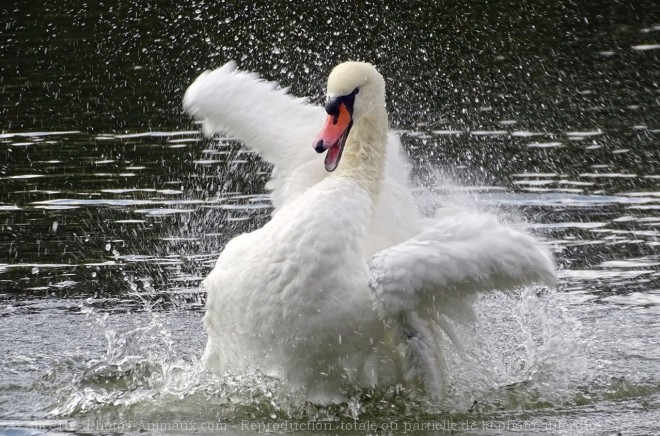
(348, 285)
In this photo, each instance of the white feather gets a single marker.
(347, 271)
(457, 256)
(281, 128)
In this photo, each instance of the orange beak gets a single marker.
(333, 136)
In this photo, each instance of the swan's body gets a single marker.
(347, 285)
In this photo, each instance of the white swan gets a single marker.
(347, 286)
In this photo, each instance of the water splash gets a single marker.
(515, 357)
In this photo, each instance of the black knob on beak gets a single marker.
(319, 146)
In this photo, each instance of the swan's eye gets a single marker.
(332, 105)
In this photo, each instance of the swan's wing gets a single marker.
(461, 254)
(271, 122)
(441, 270)
(423, 362)
(242, 105)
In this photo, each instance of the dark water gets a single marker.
(113, 207)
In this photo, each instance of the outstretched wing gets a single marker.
(242, 105)
(440, 271)
(271, 122)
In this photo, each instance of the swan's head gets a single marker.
(355, 89)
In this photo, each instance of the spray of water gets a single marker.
(523, 352)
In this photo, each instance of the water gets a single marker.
(113, 208)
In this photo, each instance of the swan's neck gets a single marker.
(365, 152)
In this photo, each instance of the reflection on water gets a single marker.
(91, 221)
(113, 208)
(153, 209)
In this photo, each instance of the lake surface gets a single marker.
(113, 207)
